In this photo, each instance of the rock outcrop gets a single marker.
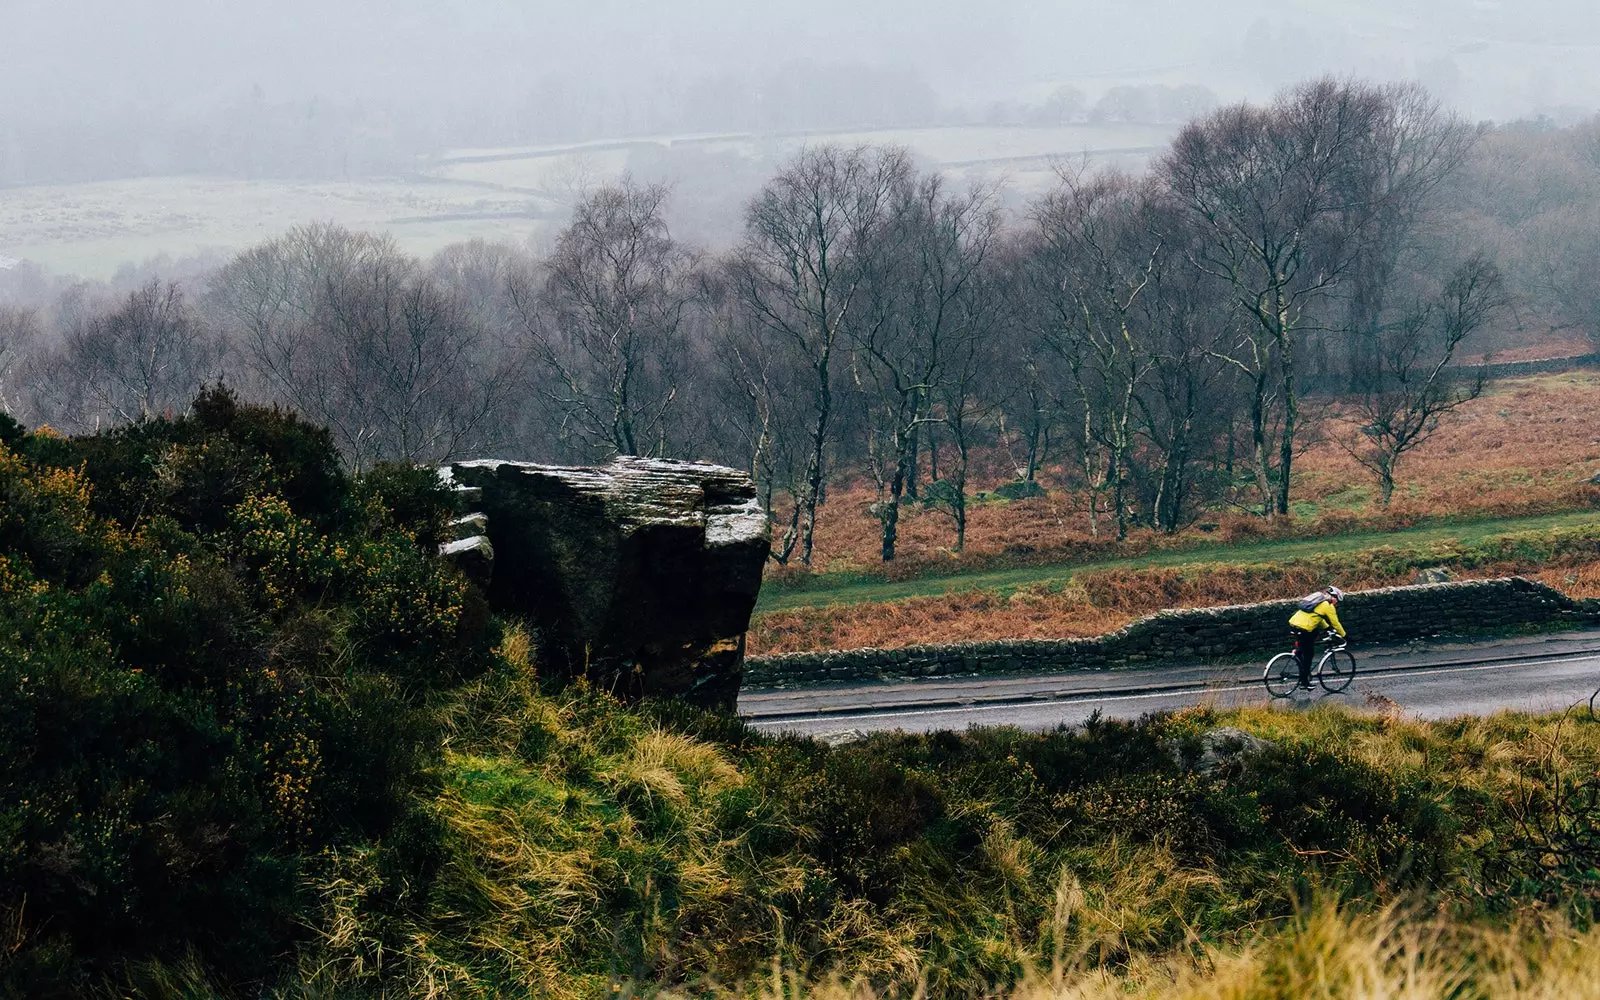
(640, 575)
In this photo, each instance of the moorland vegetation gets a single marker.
(259, 740)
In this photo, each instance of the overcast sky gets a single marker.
(58, 52)
(60, 57)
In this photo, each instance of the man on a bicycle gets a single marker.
(1318, 614)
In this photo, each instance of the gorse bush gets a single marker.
(216, 653)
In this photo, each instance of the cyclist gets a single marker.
(1318, 614)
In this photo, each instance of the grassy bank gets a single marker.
(585, 849)
(560, 844)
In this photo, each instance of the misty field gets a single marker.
(93, 229)
(505, 195)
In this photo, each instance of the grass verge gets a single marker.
(852, 587)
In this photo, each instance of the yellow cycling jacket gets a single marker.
(1322, 616)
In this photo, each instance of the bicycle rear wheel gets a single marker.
(1282, 675)
(1337, 670)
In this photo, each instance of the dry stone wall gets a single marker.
(1389, 616)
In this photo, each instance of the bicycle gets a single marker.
(1335, 671)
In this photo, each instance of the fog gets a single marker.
(393, 96)
(474, 71)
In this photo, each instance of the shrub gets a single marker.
(196, 468)
(216, 655)
(1020, 489)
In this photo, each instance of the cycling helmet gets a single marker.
(1335, 593)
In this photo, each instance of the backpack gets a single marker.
(1310, 601)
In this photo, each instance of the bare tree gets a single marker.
(966, 398)
(1273, 195)
(913, 323)
(1189, 395)
(1024, 380)
(268, 300)
(346, 329)
(19, 334)
(147, 357)
(1413, 389)
(761, 410)
(1097, 254)
(799, 268)
(409, 373)
(1414, 147)
(608, 319)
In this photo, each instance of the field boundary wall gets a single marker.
(1337, 383)
(1389, 616)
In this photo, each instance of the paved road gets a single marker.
(1542, 673)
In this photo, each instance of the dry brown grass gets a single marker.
(1092, 604)
(1326, 953)
(1521, 449)
(1526, 448)
(1563, 347)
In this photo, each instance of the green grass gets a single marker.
(588, 849)
(857, 588)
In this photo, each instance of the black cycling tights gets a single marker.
(1305, 644)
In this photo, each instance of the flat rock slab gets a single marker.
(639, 575)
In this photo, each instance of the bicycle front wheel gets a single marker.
(1282, 675)
(1337, 670)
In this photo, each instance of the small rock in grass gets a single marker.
(1224, 747)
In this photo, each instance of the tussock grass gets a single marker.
(1325, 953)
(586, 849)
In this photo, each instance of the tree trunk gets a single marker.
(1258, 437)
(814, 472)
(1169, 506)
(1291, 408)
(1121, 448)
(958, 502)
(913, 465)
(1227, 465)
(890, 514)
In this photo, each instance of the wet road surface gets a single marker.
(1438, 680)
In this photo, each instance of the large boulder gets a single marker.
(640, 575)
